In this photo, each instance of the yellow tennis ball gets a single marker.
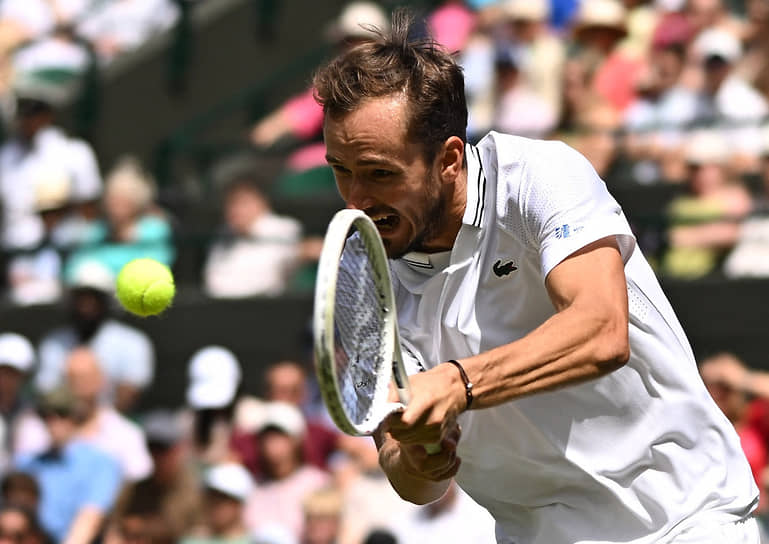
(145, 287)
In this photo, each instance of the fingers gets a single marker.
(437, 467)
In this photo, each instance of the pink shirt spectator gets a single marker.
(304, 114)
(280, 502)
(616, 80)
(451, 25)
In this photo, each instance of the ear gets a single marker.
(451, 159)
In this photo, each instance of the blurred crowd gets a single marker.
(669, 100)
(80, 465)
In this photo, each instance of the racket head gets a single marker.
(355, 325)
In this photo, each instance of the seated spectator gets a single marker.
(259, 250)
(753, 67)
(664, 107)
(19, 526)
(322, 516)
(227, 487)
(212, 391)
(286, 478)
(286, 381)
(519, 110)
(133, 226)
(118, 27)
(705, 223)
(125, 353)
(20, 489)
(750, 256)
(599, 27)
(542, 55)
(100, 424)
(301, 118)
(455, 517)
(37, 150)
(168, 501)
(78, 483)
(721, 373)
(17, 357)
(728, 99)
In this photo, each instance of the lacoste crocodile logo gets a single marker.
(504, 269)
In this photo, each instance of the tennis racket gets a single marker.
(355, 327)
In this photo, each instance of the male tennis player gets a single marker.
(583, 418)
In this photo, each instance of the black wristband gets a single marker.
(466, 381)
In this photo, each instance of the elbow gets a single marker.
(614, 349)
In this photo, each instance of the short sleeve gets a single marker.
(561, 204)
(104, 483)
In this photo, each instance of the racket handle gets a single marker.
(432, 449)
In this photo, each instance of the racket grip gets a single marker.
(432, 449)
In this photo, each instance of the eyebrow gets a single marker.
(360, 162)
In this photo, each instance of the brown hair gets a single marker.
(394, 62)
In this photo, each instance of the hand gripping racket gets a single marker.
(355, 326)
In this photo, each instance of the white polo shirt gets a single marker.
(636, 456)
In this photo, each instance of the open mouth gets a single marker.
(385, 222)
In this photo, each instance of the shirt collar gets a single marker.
(475, 208)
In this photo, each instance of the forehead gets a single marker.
(378, 125)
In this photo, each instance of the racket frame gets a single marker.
(323, 323)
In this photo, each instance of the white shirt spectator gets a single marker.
(258, 265)
(22, 166)
(40, 16)
(463, 520)
(126, 354)
(738, 103)
(122, 25)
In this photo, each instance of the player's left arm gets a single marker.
(586, 338)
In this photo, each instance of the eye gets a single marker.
(339, 169)
(380, 173)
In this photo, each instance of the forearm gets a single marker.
(409, 486)
(572, 346)
(85, 526)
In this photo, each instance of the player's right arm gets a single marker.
(416, 476)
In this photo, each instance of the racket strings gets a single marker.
(359, 323)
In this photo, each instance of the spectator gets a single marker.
(168, 500)
(38, 150)
(664, 107)
(17, 357)
(519, 110)
(35, 277)
(286, 478)
(20, 489)
(542, 55)
(101, 425)
(598, 30)
(728, 99)
(78, 483)
(259, 251)
(753, 67)
(125, 353)
(725, 377)
(227, 487)
(133, 227)
(214, 380)
(286, 381)
(322, 516)
(301, 117)
(705, 223)
(120, 26)
(19, 526)
(750, 256)
(455, 517)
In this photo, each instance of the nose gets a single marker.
(358, 196)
